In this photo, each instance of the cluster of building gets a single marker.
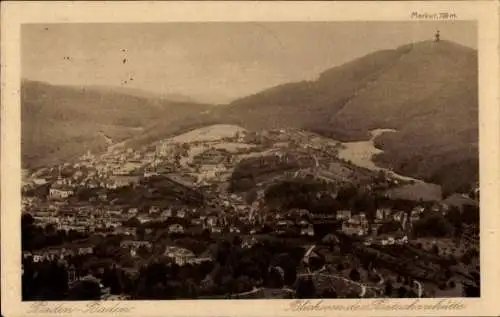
(199, 165)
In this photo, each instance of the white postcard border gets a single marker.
(16, 13)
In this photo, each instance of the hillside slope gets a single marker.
(310, 104)
(427, 91)
(59, 122)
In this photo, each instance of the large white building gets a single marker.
(60, 191)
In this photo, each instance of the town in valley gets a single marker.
(224, 212)
(360, 183)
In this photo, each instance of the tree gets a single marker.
(389, 227)
(388, 289)
(346, 194)
(435, 249)
(140, 233)
(402, 292)
(329, 293)
(85, 194)
(470, 214)
(50, 229)
(142, 251)
(472, 291)
(237, 241)
(469, 255)
(250, 196)
(305, 288)
(28, 231)
(85, 290)
(27, 220)
(206, 235)
(132, 222)
(355, 275)
(340, 267)
(317, 262)
(381, 177)
(433, 225)
(275, 278)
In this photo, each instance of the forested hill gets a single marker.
(59, 122)
(427, 91)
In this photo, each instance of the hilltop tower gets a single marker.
(437, 36)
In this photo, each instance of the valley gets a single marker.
(342, 163)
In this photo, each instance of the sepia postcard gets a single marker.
(250, 158)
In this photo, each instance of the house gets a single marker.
(398, 216)
(133, 211)
(206, 256)
(382, 214)
(353, 229)
(212, 221)
(39, 181)
(176, 228)
(181, 213)
(285, 223)
(86, 250)
(125, 230)
(437, 207)
(114, 212)
(279, 216)
(415, 215)
(249, 242)
(110, 185)
(216, 229)
(307, 231)
(38, 258)
(343, 214)
(359, 219)
(154, 209)
(368, 241)
(166, 214)
(234, 229)
(92, 184)
(143, 218)
(375, 227)
(181, 256)
(196, 221)
(418, 210)
(103, 196)
(299, 213)
(130, 166)
(134, 245)
(385, 239)
(402, 240)
(211, 157)
(60, 191)
(49, 254)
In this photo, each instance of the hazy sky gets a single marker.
(212, 62)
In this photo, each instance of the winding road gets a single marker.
(420, 288)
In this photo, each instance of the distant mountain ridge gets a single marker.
(59, 122)
(136, 92)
